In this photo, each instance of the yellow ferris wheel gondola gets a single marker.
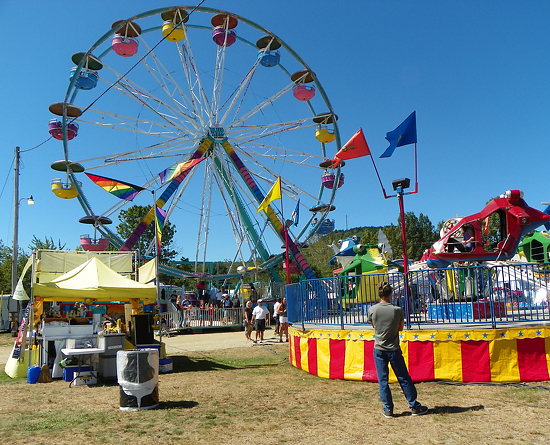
(69, 189)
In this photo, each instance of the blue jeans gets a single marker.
(395, 358)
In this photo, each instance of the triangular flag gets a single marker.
(296, 214)
(176, 170)
(120, 189)
(405, 134)
(160, 217)
(273, 194)
(356, 147)
(20, 293)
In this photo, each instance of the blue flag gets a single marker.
(296, 214)
(405, 134)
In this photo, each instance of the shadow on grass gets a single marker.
(445, 410)
(183, 363)
(182, 404)
(454, 409)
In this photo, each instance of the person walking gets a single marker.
(283, 320)
(276, 316)
(259, 315)
(388, 320)
(248, 320)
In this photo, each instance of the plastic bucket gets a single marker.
(165, 366)
(33, 373)
(137, 375)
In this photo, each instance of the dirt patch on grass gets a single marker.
(250, 394)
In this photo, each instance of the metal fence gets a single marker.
(199, 318)
(483, 294)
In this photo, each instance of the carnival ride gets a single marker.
(343, 252)
(166, 89)
(480, 317)
(535, 247)
(514, 218)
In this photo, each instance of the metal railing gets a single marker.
(482, 294)
(199, 318)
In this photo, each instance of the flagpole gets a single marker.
(157, 250)
(379, 180)
(286, 236)
(415, 172)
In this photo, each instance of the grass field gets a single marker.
(251, 395)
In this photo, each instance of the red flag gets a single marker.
(356, 147)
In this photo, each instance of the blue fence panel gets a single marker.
(478, 294)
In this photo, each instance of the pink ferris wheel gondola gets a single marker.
(223, 33)
(302, 91)
(124, 41)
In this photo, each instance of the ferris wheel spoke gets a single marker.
(234, 186)
(188, 104)
(251, 133)
(239, 93)
(234, 220)
(198, 94)
(141, 126)
(145, 99)
(261, 106)
(272, 154)
(170, 149)
(218, 78)
(291, 192)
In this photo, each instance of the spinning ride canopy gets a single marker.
(95, 281)
(173, 103)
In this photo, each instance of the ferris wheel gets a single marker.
(207, 109)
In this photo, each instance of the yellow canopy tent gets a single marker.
(94, 281)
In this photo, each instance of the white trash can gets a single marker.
(138, 375)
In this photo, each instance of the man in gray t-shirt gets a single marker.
(388, 320)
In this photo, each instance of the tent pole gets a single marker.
(31, 311)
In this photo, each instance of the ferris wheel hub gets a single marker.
(217, 133)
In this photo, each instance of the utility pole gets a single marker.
(15, 228)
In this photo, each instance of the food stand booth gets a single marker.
(92, 284)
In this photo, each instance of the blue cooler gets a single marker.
(70, 371)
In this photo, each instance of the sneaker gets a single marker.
(280, 340)
(388, 413)
(419, 410)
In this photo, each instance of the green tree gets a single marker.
(420, 232)
(5, 267)
(130, 219)
(46, 243)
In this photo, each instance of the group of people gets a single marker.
(256, 318)
(218, 299)
(183, 307)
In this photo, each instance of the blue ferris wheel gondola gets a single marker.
(327, 226)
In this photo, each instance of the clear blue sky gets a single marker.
(475, 72)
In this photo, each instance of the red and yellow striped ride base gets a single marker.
(474, 355)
